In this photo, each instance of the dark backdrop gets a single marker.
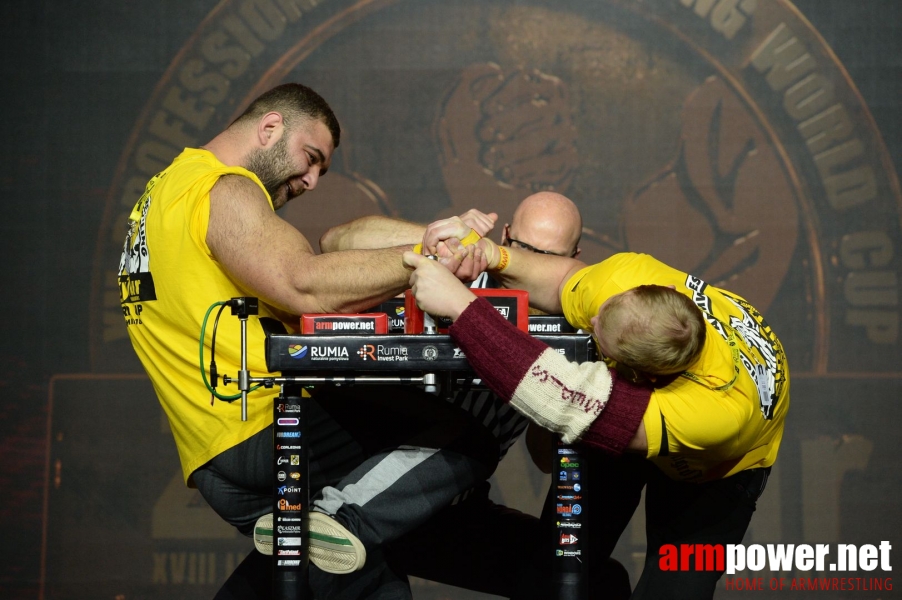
(76, 76)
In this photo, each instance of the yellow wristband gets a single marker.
(505, 259)
(418, 248)
(471, 238)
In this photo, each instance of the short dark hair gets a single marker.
(295, 102)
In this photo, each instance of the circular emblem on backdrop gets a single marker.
(721, 136)
(430, 352)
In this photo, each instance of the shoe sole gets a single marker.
(332, 548)
(263, 535)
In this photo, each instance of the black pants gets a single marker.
(676, 513)
(716, 512)
(382, 461)
(475, 544)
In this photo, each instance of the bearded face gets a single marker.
(273, 166)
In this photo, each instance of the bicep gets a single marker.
(258, 249)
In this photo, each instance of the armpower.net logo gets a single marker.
(791, 567)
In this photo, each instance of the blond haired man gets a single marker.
(694, 407)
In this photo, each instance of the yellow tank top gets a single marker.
(168, 279)
(726, 414)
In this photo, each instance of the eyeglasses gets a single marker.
(530, 248)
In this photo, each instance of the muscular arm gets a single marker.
(274, 260)
(378, 231)
(542, 275)
(375, 231)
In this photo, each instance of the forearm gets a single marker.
(351, 280)
(371, 232)
(579, 401)
(541, 275)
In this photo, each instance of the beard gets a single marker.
(274, 168)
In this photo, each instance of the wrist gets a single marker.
(462, 304)
(502, 261)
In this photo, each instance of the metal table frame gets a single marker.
(291, 494)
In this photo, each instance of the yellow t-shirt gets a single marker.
(168, 279)
(726, 414)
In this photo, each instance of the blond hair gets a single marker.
(654, 329)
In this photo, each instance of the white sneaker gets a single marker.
(263, 535)
(332, 547)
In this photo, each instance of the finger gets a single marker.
(451, 262)
(541, 172)
(525, 117)
(556, 141)
(412, 260)
(448, 248)
(443, 230)
(479, 260)
(524, 87)
(461, 112)
(485, 223)
(518, 121)
(482, 80)
(480, 222)
(465, 271)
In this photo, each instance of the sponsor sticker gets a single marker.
(288, 541)
(286, 506)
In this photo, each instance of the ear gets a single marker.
(505, 233)
(270, 129)
(576, 254)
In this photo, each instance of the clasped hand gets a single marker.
(437, 284)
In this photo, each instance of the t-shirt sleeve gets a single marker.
(691, 419)
(588, 288)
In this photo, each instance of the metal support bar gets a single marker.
(243, 374)
(425, 379)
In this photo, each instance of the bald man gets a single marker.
(547, 223)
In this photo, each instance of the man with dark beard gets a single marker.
(205, 231)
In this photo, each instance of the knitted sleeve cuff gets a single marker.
(617, 424)
(500, 353)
